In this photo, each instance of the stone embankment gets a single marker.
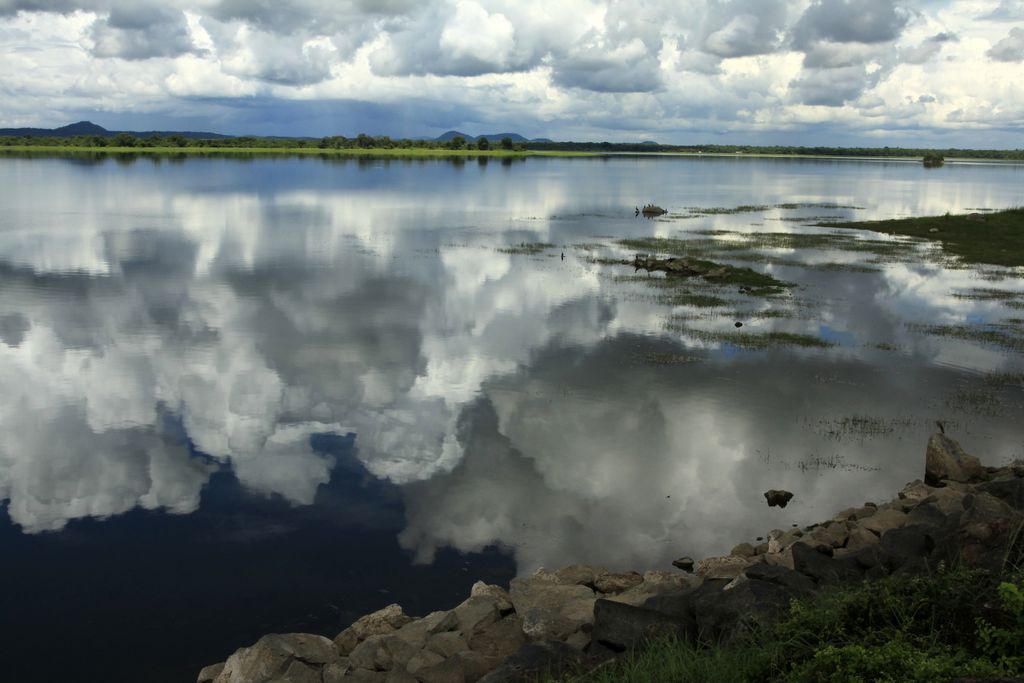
(583, 616)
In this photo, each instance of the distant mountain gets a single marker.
(90, 128)
(491, 137)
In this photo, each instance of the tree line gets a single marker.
(363, 141)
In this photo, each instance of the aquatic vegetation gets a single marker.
(996, 237)
(751, 341)
(994, 335)
(858, 426)
(530, 248)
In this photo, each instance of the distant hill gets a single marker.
(491, 137)
(90, 128)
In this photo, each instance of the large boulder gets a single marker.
(537, 661)
(209, 674)
(550, 610)
(946, 460)
(654, 582)
(988, 529)
(619, 626)
(742, 606)
(777, 497)
(280, 658)
(821, 568)
(386, 620)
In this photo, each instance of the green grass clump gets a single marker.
(899, 629)
(996, 237)
(756, 342)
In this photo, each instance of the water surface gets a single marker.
(244, 396)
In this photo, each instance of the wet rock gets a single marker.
(652, 210)
(280, 658)
(386, 620)
(620, 626)
(209, 673)
(778, 497)
(551, 611)
(617, 582)
(946, 460)
(546, 658)
(684, 563)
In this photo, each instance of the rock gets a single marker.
(728, 567)
(883, 520)
(446, 671)
(549, 659)
(386, 620)
(399, 677)
(579, 574)
(743, 550)
(779, 540)
(496, 593)
(985, 527)
(364, 676)
(447, 644)
(334, 672)
(946, 460)
(475, 665)
(858, 538)
(501, 639)
(821, 568)
(833, 535)
(383, 653)
(652, 210)
(476, 613)
(617, 582)
(731, 613)
(551, 611)
(280, 658)
(422, 660)
(684, 563)
(778, 497)
(209, 673)
(681, 605)
(620, 626)
(654, 583)
(796, 582)
(1010, 491)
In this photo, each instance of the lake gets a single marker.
(264, 395)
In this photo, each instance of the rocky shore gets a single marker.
(581, 617)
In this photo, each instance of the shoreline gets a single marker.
(580, 617)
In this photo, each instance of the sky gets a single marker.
(812, 72)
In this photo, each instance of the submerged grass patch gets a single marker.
(993, 335)
(751, 341)
(719, 273)
(996, 237)
(529, 248)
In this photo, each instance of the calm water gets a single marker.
(272, 395)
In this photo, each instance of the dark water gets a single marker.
(274, 394)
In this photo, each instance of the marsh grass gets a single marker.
(998, 238)
(749, 341)
(1001, 336)
(528, 248)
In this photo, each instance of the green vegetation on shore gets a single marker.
(933, 627)
(367, 144)
(996, 237)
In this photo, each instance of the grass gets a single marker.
(404, 152)
(992, 335)
(997, 238)
(757, 208)
(932, 627)
(529, 248)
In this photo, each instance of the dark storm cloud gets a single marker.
(850, 21)
(141, 31)
(598, 71)
(1010, 48)
(831, 87)
(62, 6)
(741, 28)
